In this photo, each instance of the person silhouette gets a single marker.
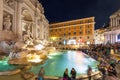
(65, 75)
(73, 74)
(89, 72)
(41, 74)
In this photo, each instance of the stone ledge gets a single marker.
(95, 75)
(10, 72)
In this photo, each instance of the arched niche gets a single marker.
(27, 22)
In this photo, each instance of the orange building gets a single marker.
(73, 32)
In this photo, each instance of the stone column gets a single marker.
(1, 15)
(112, 38)
(116, 21)
(19, 21)
(15, 18)
(113, 22)
(115, 37)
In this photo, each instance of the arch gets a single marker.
(27, 23)
(118, 37)
(26, 15)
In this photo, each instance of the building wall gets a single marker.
(75, 29)
(25, 13)
(99, 36)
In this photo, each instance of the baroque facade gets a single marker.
(112, 34)
(24, 17)
(73, 32)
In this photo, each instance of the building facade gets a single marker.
(73, 32)
(112, 33)
(99, 36)
(24, 15)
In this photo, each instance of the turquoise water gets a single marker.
(58, 62)
(4, 66)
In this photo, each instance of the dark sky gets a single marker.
(64, 10)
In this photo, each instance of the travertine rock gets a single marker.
(18, 61)
(7, 36)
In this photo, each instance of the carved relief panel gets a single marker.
(10, 3)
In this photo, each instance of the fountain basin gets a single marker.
(59, 61)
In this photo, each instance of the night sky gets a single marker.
(64, 10)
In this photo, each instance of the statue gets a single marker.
(28, 35)
(7, 23)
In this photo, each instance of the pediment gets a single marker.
(115, 14)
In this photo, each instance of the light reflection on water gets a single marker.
(57, 63)
(4, 66)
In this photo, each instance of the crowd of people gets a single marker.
(101, 53)
(66, 75)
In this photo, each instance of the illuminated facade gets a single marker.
(73, 32)
(24, 14)
(99, 36)
(112, 34)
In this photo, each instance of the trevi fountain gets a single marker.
(24, 45)
(23, 36)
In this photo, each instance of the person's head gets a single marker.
(66, 70)
(89, 67)
(73, 69)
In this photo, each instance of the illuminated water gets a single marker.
(4, 66)
(58, 62)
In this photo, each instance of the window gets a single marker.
(69, 28)
(74, 37)
(88, 31)
(69, 33)
(89, 21)
(88, 37)
(80, 27)
(81, 22)
(59, 29)
(88, 26)
(64, 34)
(74, 33)
(74, 28)
(80, 32)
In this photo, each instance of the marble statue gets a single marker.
(27, 37)
(7, 23)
